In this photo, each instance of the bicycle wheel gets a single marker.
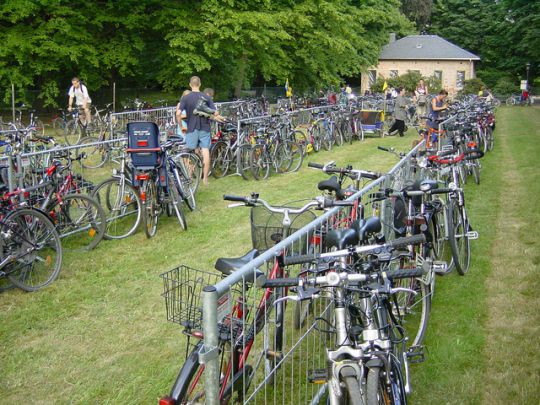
(490, 138)
(72, 132)
(301, 139)
(80, 221)
(243, 157)
(183, 182)
(191, 164)
(458, 238)
(175, 197)
(441, 244)
(383, 389)
(96, 155)
(220, 157)
(122, 206)
(149, 208)
(414, 307)
(260, 164)
(510, 101)
(296, 156)
(475, 169)
(282, 158)
(30, 236)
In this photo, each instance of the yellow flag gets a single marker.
(384, 86)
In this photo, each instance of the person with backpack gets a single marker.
(198, 125)
(79, 92)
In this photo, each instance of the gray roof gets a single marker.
(425, 47)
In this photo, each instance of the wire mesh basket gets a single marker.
(267, 229)
(182, 287)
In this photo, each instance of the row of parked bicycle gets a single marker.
(361, 279)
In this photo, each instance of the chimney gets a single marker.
(392, 37)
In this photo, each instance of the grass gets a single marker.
(99, 335)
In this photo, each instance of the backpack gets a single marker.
(422, 99)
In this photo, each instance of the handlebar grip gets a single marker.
(404, 273)
(371, 175)
(263, 282)
(383, 148)
(315, 165)
(299, 259)
(407, 240)
(441, 191)
(333, 203)
(228, 197)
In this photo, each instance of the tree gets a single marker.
(418, 11)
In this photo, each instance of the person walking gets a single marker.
(400, 113)
(421, 99)
(181, 127)
(198, 126)
(79, 92)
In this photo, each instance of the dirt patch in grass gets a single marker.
(512, 374)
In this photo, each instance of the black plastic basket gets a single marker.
(182, 287)
(267, 229)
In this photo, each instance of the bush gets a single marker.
(505, 86)
(472, 86)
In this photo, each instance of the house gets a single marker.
(428, 54)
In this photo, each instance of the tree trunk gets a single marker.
(241, 74)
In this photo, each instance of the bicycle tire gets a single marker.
(96, 155)
(260, 164)
(377, 388)
(150, 212)
(282, 159)
(301, 139)
(182, 181)
(122, 206)
(243, 156)
(475, 169)
(39, 249)
(296, 156)
(460, 244)
(192, 165)
(175, 196)
(490, 138)
(220, 157)
(73, 132)
(80, 221)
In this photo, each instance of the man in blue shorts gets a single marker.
(198, 126)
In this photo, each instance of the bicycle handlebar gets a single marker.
(347, 171)
(393, 244)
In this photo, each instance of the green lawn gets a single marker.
(99, 335)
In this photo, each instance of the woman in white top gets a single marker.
(420, 95)
(80, 93)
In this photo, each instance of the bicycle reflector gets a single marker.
(142, 176)
(166, 401)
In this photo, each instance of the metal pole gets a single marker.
(528, 65)
(209, 355)
(13, 101)
(114, 97)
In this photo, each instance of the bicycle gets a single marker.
(247, 315)
(30, 248)
(158, 191)
(366, 362)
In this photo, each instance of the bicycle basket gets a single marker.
(267, 229)
(182, 287)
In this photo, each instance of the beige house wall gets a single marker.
(449, 69)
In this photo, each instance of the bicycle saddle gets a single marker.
(331, 185)
(341, 238)
(366, 228)
(429, 184)
(229, 265)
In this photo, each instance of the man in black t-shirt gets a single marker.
(198, 127)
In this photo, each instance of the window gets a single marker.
(394, 73)
(460, 79)
(372, 76)
(438, 74)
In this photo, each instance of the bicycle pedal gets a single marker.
(272, 354)
(441, 267)
(472, 235)
(318, 376)
(416, 355)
